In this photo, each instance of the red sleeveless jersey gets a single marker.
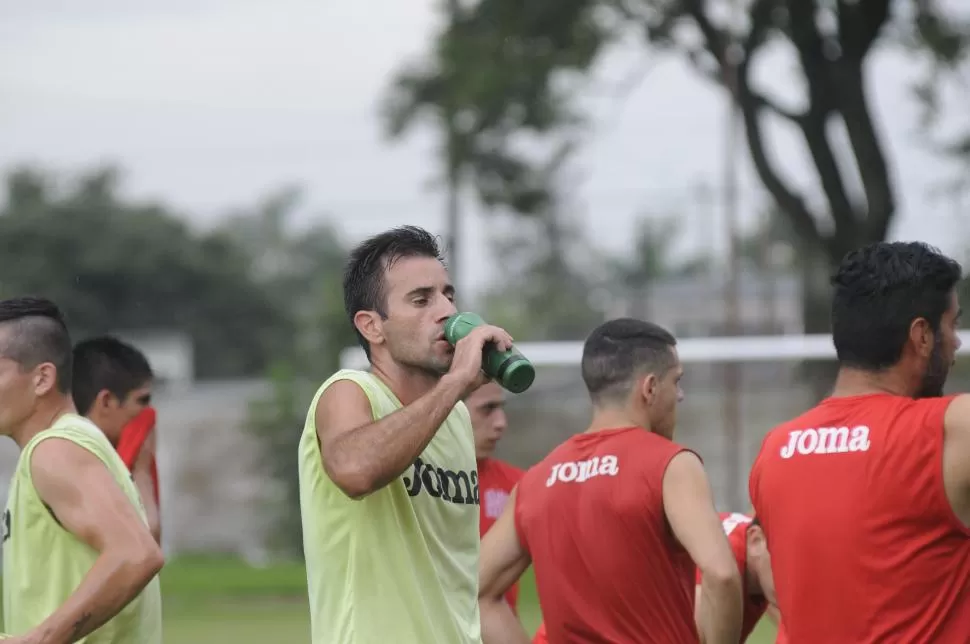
(864, 545)
(495, 482)
(608, 569)
(781, 637)
(736, 528)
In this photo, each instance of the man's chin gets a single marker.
(435, 369)
(441, 366)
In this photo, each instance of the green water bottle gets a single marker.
(509, 368)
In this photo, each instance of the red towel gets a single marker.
(133, 437)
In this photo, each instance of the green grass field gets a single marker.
(210, 600)
(223, 600)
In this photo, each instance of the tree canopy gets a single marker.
(512, 72)
(116, 265)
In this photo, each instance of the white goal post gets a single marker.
(765, 348)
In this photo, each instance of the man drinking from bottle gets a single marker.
(388, 485)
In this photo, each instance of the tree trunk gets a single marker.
(816, 268)
(453, 229)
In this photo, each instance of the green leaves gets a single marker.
(500, 69)
(113, 264)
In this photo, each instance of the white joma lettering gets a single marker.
(826, 440)
(573, 472)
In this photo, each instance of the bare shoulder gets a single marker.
(684, 480)
(956, 420)
(956, 456)
(342, 407)
(685, 466)
(56, 456)
(60, 467)
(956, 431)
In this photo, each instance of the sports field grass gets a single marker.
(209, 600)
(223, 600)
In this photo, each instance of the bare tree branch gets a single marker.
(803, 221)
(830, 176)
(859, 25)
(715, 40)
(839, 85)
(752, 106)
(762, 12)
(868, 151)
(767, 103)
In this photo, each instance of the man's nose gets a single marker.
(446, 308)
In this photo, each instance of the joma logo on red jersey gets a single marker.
(577, 472)
(826, 440)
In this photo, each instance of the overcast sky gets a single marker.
(210, 104)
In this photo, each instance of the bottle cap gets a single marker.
(518, 376)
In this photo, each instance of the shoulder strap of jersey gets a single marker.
(372, 387)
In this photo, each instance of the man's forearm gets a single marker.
(499, 623)
(111, 584)
(382, 450)
(720, 611)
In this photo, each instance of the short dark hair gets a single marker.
(620, 350)
(39, 334)
(108, 363)
(879, 289)
(364, 276)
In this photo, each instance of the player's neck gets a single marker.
(612, 418)
(407, 383)
(96, 418)
(857, 382)
(44, 416)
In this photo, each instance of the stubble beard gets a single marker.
(934, 380)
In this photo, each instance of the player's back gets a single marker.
(43, 563)
(864, 544)
(608, 568)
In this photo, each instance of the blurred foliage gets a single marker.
(655, 255)
(481, 88)
(302, 270)
(545, 266)
(486, 81)
(509, 73)
(257, 295)
(542, 292)
(113, 264)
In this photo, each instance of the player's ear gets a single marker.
(922, 337)
(370, 325)
(45, 378)
(648, 388)
(104, 399)
(756, 539)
